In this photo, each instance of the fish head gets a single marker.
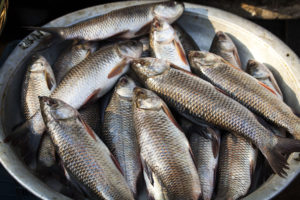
(257, 69)
(40, 64)
(130, 48)
(149, 67)
(146, 100)
(169, 11)
(125, 86)
(57, 109)
(202, 59)
(223, 41)
(161, 31)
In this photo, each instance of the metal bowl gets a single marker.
(201, 23)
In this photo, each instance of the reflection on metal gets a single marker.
(201, 22)
(3, 13)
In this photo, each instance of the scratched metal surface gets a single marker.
(201, 23)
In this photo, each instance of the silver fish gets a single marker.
(168, 167)
(86, 159)
(126, 23)
(118, 131)
(166, 45)
(91, 115)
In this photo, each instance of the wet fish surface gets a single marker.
(200, 101)
(246, 90)
(223, 46)
(91, 115)
(71, 56)
(86, 159)
(165, 44)
(118, 131)
(168, 167)
(236, 166)
(125, 23)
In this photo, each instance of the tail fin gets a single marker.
(278, 154)
(58, 31)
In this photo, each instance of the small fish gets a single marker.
(186, 40)
(236, 167)
(245, 89)
(39, 81)
(205, 144)
(84, 83)
(223, 46)
(118, 131)
(87, 161)
(91, 115)
(166, 45)
(168, 167)
(124, 23)
(264, 75)
(70, 57)
(198, 100)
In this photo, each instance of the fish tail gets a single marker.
(28, 142)
(277, 155)
(58, 31)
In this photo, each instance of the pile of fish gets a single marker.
(196, 132)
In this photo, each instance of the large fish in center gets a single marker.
(200, 101)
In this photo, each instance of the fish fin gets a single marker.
(118, 69)
(117, 164)
(148, 171)
(170, 116)
(58, 31)
(88, 128)
(215, 141)
(92, 97)
(144, 30)
(180, 52)
(222, 91)
(237, 58)
(183, 70)
(267, 87)
(50, 81)
(274, 83)
(277, 155)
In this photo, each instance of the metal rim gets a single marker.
(269, 189)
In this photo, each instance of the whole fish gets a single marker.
(168, 167)
(126, 22)
(118, 131)
(91, 115)
(205, 144)
(200, 101)
(86, 82)
(70, 57)
(223, 46)
(86, 160)
(245, 89)
(264, 75)
(186, 40)
(39, 81)
(165, 44)
(236, 166)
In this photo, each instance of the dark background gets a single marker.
(36, 13)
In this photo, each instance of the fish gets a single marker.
(39, 81)
(46, 153)
(165, 44)
(205, 144)
(236, 166)
(245, 89)
(71, 56)
(87, 161)
(91, 115)
(126, 23)
(188, 43)
(264, 75)
(168, 166)
(118, 132)
(83, 84)
(201, 102)
(223, 46)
